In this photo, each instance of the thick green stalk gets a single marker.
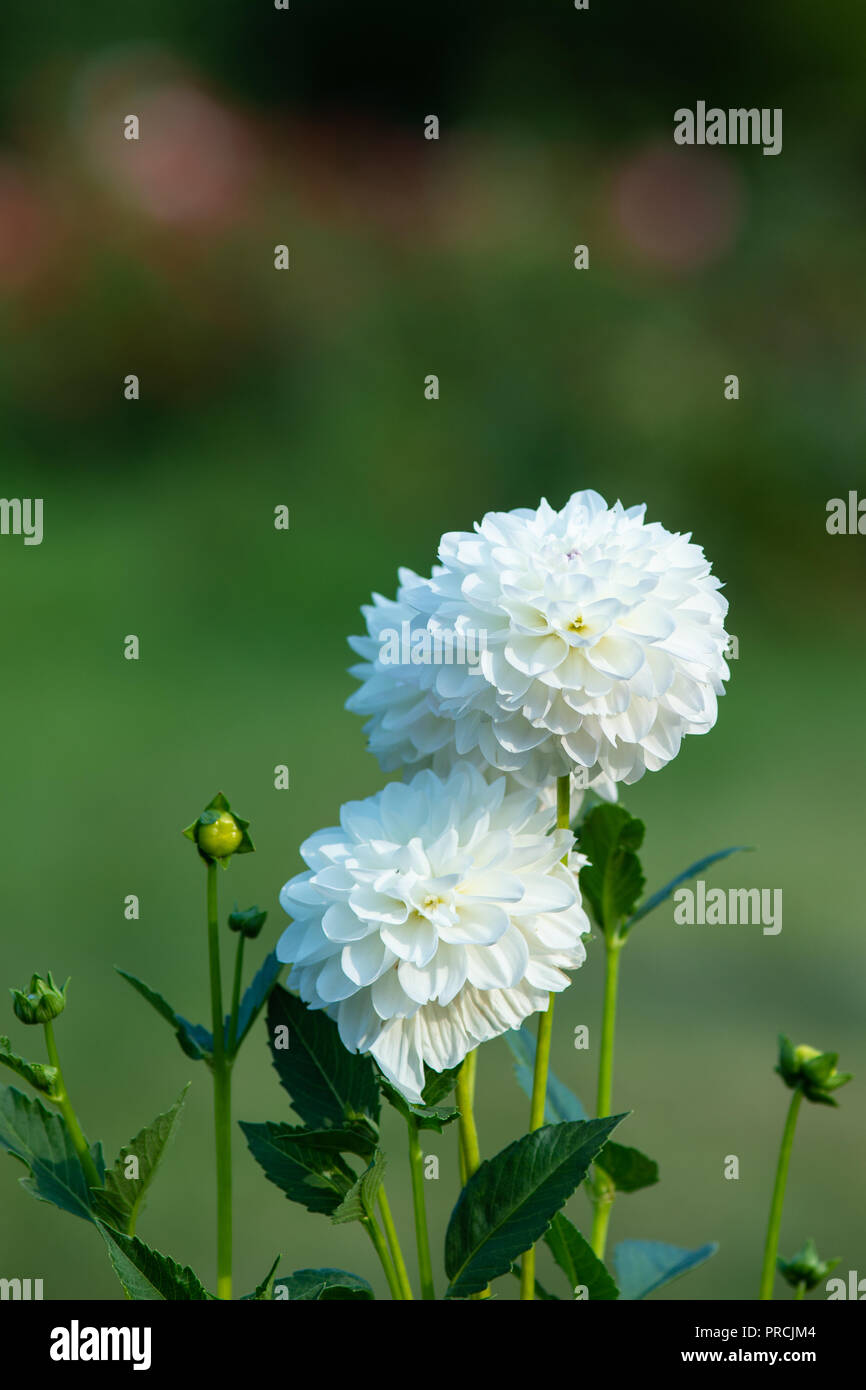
(236, 995)
(542, 1048)
(422, 1237)
(79, 1142)
(470, 1151)
(222, 1096)
(542, 1067)
(374, 1231)
(461, 1155)
(468, 1132)
(603, 1189)
(771, 1248)
(400, 1269)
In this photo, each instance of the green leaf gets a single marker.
(357, 1139)
(425, 1116)
(507, 1204)
(430, 1114)
(322, 1286)
(560, 1103)
(628, 1169)
(147, 1275)
(359, 1204)
(613, 881)
(255, 997)
(41, 1077)
(265, 1290)
(577, 1260)
(439, 1084)
(195, 1040)
(589, 801)
(42, 1142)
(328, 1084)
(121, 1198)
(669, 889)
(298, 1163)
(642, 1266)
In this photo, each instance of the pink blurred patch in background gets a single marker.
(676, 209)
(195, 157)
(25, 226)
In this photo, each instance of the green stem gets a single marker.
(801, 1291)
(79, 1142)
(222, 1096)
(604, 1095)
(542, 1066)
(236, 995)
(374, 1231)
(400, 1269)
(422, 1237)
(472, 1075)
(771, 1248)
(603, 1189)
(542, 1048)
(468, 1132)
(470, 1151)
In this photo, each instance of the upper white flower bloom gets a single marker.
(435, 916)
(601, 643)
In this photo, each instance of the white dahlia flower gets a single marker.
(582, 640)
(435, 916)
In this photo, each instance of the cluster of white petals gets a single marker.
(434, 917)
(600, 642)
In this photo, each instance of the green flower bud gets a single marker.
(249, 922)
(218, 837)
(218, 833)
(812, 1071)
(805, 1267)
(42, 1002)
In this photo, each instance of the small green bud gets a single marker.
(219, 837)
(812, 1071)
(249, 922)
(805, 1267)
(42, 1002)
(218, 833)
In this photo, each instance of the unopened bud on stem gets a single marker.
(218, 833)
(41, 1003)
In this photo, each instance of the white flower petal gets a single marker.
(477, 924)
(364, 961)
(339, 923)
(332, 983)
(414, 940)
(399, 1058)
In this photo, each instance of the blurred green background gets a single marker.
(305, 388)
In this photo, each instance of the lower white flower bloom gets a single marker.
(437, 915)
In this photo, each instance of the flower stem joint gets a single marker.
(249, 922)
(806, 1268)
(41, 1003)
(812, 1071)
(218, 833)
